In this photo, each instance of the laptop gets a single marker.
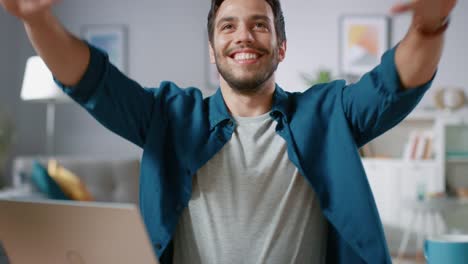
(66, 232)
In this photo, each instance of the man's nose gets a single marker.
(244, 35)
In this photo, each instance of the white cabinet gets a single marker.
(395, 181)
(385, 185)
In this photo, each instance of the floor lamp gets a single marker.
(39, 86)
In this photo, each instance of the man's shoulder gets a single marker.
(169, 89)
(321, 101)
(324, 88)
(322, 91)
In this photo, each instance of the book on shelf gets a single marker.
(428, 147)
(366, 151)
(419, 145)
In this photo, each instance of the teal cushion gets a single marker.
(45, 183)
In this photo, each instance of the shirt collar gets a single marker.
(218, 111)
(281, 105)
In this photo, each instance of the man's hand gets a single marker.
(418, 54)
(66, 56)
(27, 10)
(427, 14)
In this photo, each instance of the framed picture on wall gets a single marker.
(111, 39)
(363, 40)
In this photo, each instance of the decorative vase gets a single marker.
(450, 98)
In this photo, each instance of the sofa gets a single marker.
(107, 179)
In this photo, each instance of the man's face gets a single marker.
(245, 47)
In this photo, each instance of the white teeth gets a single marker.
(245, 56)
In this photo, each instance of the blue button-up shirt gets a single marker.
(324, 126)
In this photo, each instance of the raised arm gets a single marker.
(387, 94)
(419, 52)
(66, 56)
(85, 73)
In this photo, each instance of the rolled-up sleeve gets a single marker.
(378, 101)
(116, 101)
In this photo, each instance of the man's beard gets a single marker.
(247, 85)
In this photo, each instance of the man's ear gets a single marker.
(212, 56)
(282, 51)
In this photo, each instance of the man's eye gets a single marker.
(227, 27)
(260, 25)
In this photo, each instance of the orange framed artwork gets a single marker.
(363, 41)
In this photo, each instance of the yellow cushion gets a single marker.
(70, 184)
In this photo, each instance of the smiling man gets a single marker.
(244, 45)
(252, 174)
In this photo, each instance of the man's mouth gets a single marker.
(245, 57)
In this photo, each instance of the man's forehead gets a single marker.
(245, 9)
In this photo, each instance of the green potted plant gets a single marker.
(321, 76)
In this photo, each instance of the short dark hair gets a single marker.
(277, 12)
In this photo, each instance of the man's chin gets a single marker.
(246, 86)
(246, 82)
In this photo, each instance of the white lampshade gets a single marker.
(38, 83)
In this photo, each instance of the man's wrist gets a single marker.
(37, 19)
(433, 31)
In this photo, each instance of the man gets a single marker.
(252, 174)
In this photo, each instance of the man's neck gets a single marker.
(249, 105)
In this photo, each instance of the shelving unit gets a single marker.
(394, 179)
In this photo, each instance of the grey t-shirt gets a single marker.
(250, 205)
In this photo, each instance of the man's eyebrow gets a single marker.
(226, 19)
(260, 17)
(231, 19)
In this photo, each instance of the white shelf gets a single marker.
(457, 160)
(462, 201)
(399, 161)
(422, 115)
(433, 114)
